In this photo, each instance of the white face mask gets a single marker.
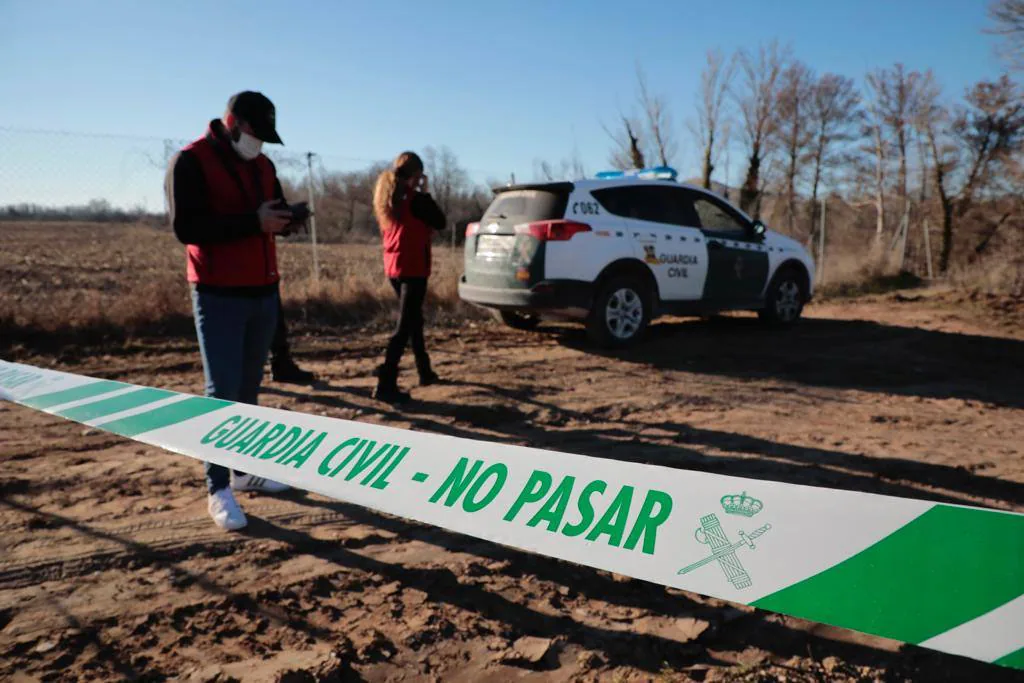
(247, 146)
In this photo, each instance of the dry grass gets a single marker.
(92, 282)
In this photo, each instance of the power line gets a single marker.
(164, 140)
(79, 134)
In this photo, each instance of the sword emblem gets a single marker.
(723, 550)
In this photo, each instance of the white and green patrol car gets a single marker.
(623, 248)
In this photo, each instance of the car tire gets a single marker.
(620, 314)
(517, 320)
(784, 299)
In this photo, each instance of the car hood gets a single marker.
(774, 239)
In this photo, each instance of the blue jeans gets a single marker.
(234, 339)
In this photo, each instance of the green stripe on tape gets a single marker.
(1014, 660)
(114, 404)
(44, 401)
(165, 416)
(941, 570)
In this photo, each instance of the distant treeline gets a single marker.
(96, 211)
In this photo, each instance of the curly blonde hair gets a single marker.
(389, 192)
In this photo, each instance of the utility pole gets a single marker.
(312, 217)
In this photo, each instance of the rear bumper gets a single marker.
(546, 295)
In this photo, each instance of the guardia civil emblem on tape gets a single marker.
(946, 577)
(722, 550)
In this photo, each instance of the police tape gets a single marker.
(945, 577)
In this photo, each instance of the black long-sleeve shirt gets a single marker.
(189, 206)
(426, 209)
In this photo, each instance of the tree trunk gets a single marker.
(879, 186)
(945, 201)
(748, 193)
(350, 222)
(813, 231)
(901, 178)
(947, 231)
(983, 244)
(708, 167)
(923, 157)
(791, 192)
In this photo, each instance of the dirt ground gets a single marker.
(111, 570)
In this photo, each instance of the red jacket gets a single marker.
(213, 195)
(407, 250)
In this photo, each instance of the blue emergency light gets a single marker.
(660, 172)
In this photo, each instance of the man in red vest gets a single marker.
(226, 205)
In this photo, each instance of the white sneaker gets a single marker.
(225, 511)
(250, 482)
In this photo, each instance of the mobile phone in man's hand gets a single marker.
(300, 212)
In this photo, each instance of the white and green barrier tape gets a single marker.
(946, 577)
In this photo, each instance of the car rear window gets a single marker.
(527, 205)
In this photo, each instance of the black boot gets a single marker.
(387, 389)
(284, 369)
(427, 375)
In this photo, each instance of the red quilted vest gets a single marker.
(249, 261)
(407, 251)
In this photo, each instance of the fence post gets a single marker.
(928, 248)
(821, 245)
(312, 218)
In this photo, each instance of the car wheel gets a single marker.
(620, 314)
(517, 320)
(784, 300)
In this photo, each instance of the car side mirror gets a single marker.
(759, 228)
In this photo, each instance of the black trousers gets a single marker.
(411, 291)
(279, 344)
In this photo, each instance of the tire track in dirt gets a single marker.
(877, 395)
(41, 563)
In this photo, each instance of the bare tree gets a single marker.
(447, 178)
(985, 138)
(565, 169)
(895, 93)
(724, 146)
(922, 162)
(714, 85)
(658, 119)
(545, 171)
(877, 146)
(933, 118)
(990, 129)
(756, 99)
(576, 164)
(834, 110)
(627, 152)
(794, 128)
(1008, 19)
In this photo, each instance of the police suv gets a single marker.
(623, 248)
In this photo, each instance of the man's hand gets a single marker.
(273, 220)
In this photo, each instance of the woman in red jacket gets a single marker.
(407, 216)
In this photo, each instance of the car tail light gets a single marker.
(552, 231)
(472, 229)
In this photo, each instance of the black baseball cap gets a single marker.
(258, 111)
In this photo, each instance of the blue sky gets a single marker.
(502, 84)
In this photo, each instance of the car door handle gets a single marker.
(714, 245)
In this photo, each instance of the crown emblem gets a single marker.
(741, 504)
